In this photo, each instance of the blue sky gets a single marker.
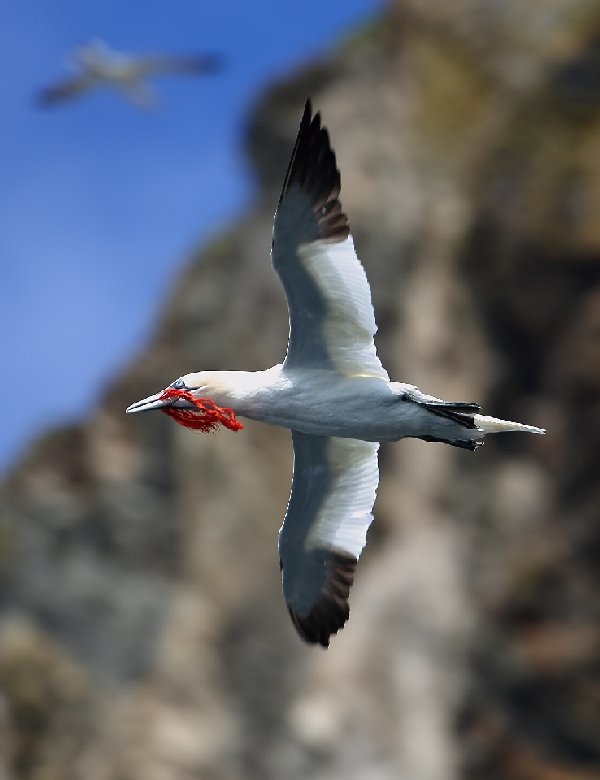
(100, 203)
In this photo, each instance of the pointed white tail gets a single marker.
(494, 425)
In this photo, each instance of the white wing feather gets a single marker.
(344, 519)
(349, 324)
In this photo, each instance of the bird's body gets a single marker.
(96, 66)
(331, 391)
(321, 402)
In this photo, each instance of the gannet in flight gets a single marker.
(331, 391)
(99, 66)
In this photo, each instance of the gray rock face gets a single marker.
(142, 630)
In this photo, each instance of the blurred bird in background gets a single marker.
(96, 65)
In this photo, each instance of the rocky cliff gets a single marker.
(143, 634)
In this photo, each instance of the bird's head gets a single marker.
(189, 400)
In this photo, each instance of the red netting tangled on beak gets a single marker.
(205, 417)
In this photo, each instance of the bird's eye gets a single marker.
(179, 384)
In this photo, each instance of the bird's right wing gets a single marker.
(64, 90)
(324, 531)
(163, 64)
(332, 323)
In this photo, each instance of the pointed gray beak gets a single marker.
(152, 402)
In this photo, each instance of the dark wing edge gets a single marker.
(331, 610)
(334, 486)
(158, 64)
(58, 93)
(313, 171)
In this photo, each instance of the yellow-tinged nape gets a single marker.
(225, 388)
(216, 385)
(201, 380)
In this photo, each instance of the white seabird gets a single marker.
(96, 65)
(331, 391)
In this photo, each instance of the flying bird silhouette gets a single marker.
(331, 391)
(96, 65)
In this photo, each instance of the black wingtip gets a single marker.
(45, 98)
(331, 610)
(313, 170)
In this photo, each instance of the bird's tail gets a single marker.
(471, 426)
(494, 425)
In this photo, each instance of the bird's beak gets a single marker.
(152, 402)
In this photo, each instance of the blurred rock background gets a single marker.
(142, 629)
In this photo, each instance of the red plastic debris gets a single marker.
(205, 417)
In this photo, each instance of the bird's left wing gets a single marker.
(324, 531)
(332, 323)
(64, 90)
